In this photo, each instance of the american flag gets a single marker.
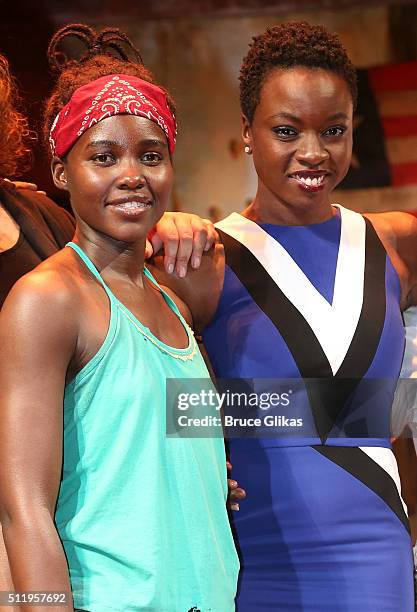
(385, 128)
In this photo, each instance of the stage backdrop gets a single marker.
(197, 56)
(199, 61)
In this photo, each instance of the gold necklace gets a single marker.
(162, 348)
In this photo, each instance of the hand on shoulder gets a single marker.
(184, 237)
(24, 185)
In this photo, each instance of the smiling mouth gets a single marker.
(132, 205)
(309, 181)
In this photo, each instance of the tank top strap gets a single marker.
(167, 298)
(84, 257)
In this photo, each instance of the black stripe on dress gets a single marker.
(327, 396)
(298, 335)
(372, 318)
(355, 461)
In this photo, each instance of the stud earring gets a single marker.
(248, 150)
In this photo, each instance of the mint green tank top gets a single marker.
(142, 516)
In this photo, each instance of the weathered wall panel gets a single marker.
(199, 59)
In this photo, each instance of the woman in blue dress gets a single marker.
(303, 289)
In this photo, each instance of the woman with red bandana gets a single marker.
(33, 227)
(95, 498)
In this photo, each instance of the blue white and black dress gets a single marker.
(323, 527)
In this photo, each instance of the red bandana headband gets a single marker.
(107, 96)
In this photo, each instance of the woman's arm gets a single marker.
(184, 238)
(398, 233)
(38, 334)
(405, 454)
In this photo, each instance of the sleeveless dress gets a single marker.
(142, 516)
(323, 526)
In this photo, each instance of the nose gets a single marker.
(131, 176)
(311, 151)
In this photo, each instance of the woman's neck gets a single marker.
(266, 210)
(113, 258)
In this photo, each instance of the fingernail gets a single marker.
(235, 507)
(207, 247)
(233, 483)
(170, 268)
(181, 270)
(196, 262)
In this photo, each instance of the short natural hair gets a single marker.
(296, 43)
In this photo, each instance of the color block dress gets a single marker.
(323, 527)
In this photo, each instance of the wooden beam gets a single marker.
(403, 32)
(114, 10)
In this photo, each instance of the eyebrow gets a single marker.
(103, 143)
(147, 142)
(337, 116)
(290, 117)
(152, 142)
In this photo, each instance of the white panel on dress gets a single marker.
(333, 324)
(385, 458)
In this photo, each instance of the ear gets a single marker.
(58, 173)
(246, 132)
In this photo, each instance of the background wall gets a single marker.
(199, 61)
(197, 58)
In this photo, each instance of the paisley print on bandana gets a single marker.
(107, 96)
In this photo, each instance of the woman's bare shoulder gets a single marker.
(398, 233)
(45, 296)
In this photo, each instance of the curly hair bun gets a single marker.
(110, 41)
(102, 53)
